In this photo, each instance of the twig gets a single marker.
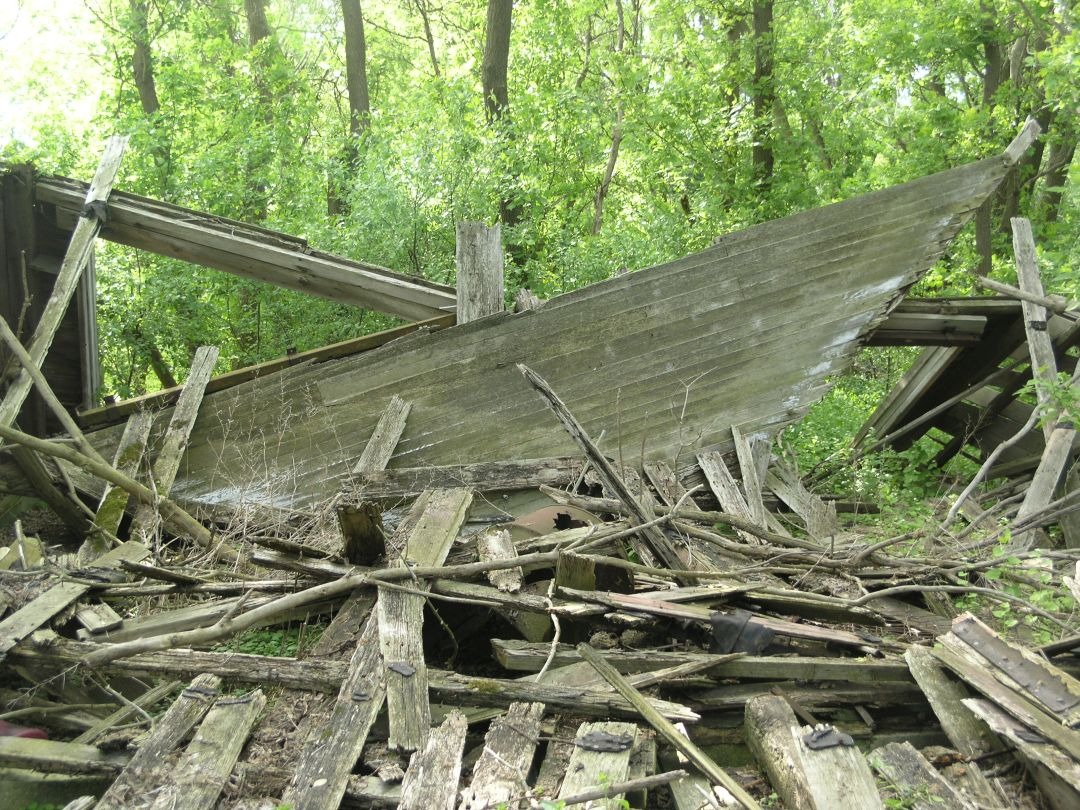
(619, 788)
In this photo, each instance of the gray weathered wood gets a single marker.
(114, 500)
(965, 731)
(76, 257)
(328, 756)
(33, 615)
(509, 748)
(208, 759)
(749, 450)
(818, 516)
(51, 756)
(914, 781)
(590, 769)
(694, 792)
(388, 430)
(610, 477)
(147, 520)
(401, 619)
(686, 360)
(520, 656)
(150, 765)
(253, 252)
(479, 271)
(1041, 347)
(1056, 773)
(826, 779)
(98, 617)
(497, 476)
(700, 760)
(726, 490)
(431, 781)
(495, 544)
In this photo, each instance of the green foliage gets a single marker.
(278, 642)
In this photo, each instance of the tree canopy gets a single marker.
(604, 134)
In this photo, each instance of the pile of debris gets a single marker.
(695, 630)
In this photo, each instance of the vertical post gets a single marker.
(1043, 362)
(479, 271)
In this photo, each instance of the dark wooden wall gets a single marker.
(31, 251)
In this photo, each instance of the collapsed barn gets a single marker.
(573, 510)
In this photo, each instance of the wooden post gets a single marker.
(479, 271)
(1043, 362)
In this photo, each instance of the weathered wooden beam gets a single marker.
(431, 781)
(498, 476)
(914, 781)
(509, 747)
(147, 520)
(727, 492)
(52, 756)
(1041, 347)
(965, 731)
(810, 780)
(401, 619)
(235, 247)
(144, 701)
(479, 260)
(521, 656)
(201, 773)
(593, 766)
(698, 758)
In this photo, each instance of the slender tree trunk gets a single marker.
(496, 59)
(496, 94)
(763, 157)
(141, 59)
(425, 18)
(993, 74)
(1058, 162)
(258, 27)
(359, 106)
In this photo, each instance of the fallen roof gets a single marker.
(666, 360)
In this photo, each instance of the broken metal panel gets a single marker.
(665, 360)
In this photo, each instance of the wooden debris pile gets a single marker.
(626, 644)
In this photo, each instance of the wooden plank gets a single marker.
(1043, 360)
(208, 759)
(114, 500)
(694, 792)
(51, 756)
(499, 476)
(33, 615)
(431, 781)
(146, 522)
(810, 780)
(98, 617)
(926, 329)
(144, 701)
(818, 516)
(117, 412)
(479, 259)
(747, 450)
(78, 253)
(496, 544)
(509, 747)
(388, 430)
(965, 731)
(520, 656)
(1056, 773)
(914, 781)
(202, 238)
(700, 760)
(590, 768)
(723, 485)
(401, 619)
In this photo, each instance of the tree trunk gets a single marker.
(1059, 160)
(993, 74)
(359, 105)
(496, 95)
(356, 66)
(425, 17)
(764, 95)
(496, 58)
(141, 59)
(258, 27)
